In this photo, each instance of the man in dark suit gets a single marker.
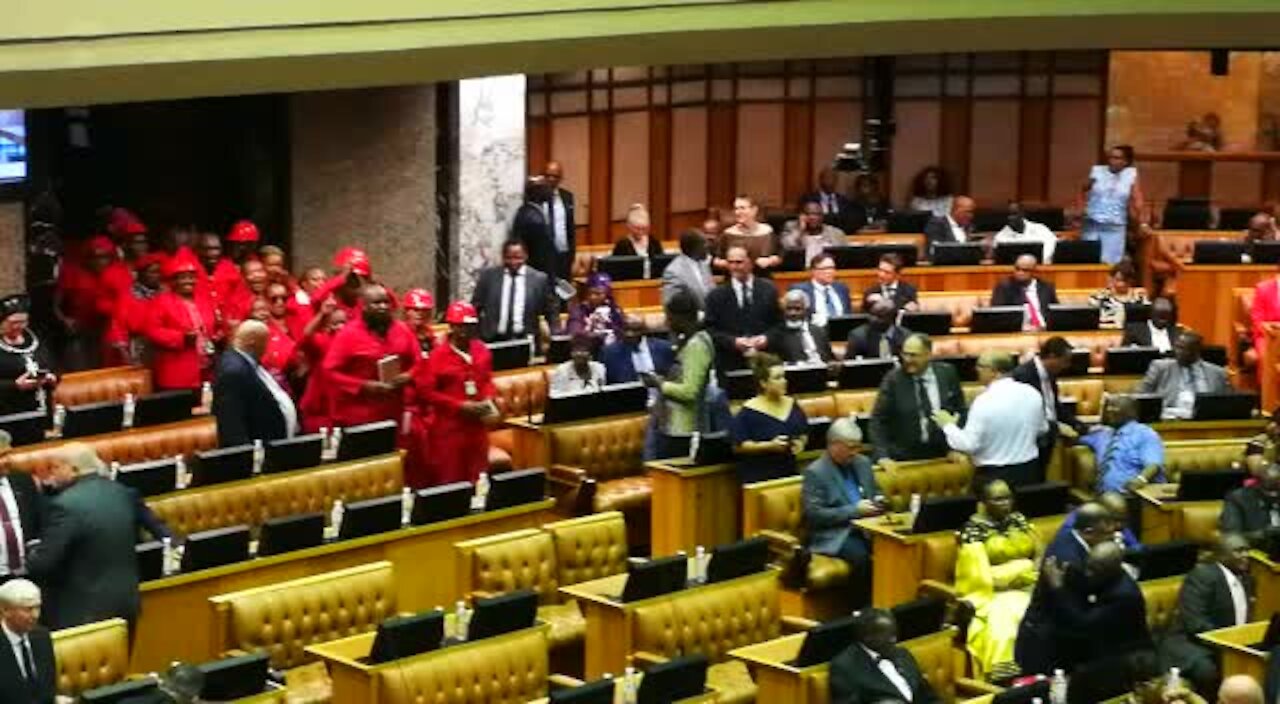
(836, 207)
(1180, 379)
(1025, 289)
(955, 227)
(28, 671)
(902, 425)
(1041, 373)
(510, 298)
(740, 312)
(879, 337)
(1092, 524)
(796, 339)
(562, 220)
(635, 353)
(875, 668)
(1160, 331)
(532, 228)
(1216, 594)
(1254, 511)
(22, 508)
(889, 285)
(85, 561)
(827, 298)
(248, 403)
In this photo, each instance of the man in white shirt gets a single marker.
(1003, 424)
(28, 671)
(1020, 229)
(1160, 331)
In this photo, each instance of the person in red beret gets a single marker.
(419, 306)
(453, 389)
(369, 363)
(242, 242)
(354, 272)
(181, 327)
(85, 300)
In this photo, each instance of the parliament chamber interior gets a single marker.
(640, 352)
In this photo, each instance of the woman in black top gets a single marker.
(26, 382)
(638, 241)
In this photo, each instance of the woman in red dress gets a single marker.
(316, 337)
(181, 327)
(454, 387)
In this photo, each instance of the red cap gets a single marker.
(460, 312)
(243, 231)
(182, 262)
(419, 299)
(348, 254)
(360, 266)
(147, 260)
(101, 244)
(122, 222)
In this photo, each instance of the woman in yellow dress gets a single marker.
(996, 569)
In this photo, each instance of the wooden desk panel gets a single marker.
(1233, 646)
(1208, 305)
(1266, 580)
(1209, 429)
(176, 620)
(896, 575)
(1162, 512)
(693, 506)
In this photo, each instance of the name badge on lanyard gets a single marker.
(469, 388)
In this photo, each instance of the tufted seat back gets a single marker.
(106, 384)
(521, 392)
(607, 450)
(90, 656)
(589, 547)
(959, 304)
(937, 477)
(1161, 596)
(777, 504)
(1087, 393)
(128, 446)
(286, 617)
(933, 653)
(711, 620)
(859, 402)
(820, 406)
(507, 562)
(1199, 521)
(1025, 344)
(253, 501)
(508, 669)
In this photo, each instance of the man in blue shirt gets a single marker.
(1127, 454)
(1118, 508)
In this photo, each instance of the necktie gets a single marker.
(511, 305)
(11, 547)
(889, 292)
(551, 219)
(1033, 313)
(832, 308)
(885, 352)
(1107, 453)
(28, 661)
(746, 295)
(926, 408)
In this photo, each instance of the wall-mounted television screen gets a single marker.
(13, 146)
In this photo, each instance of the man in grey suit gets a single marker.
(510, 298)
(85, 561)
(690, 271)
(839, 487)
(1179, 379)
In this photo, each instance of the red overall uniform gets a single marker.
(175, 364)
(457, 447)
(352, 359)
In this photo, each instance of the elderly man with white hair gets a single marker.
(28, 674)
(838, 487)
(797, 340)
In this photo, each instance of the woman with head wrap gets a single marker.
(596, 315)
(26, 382)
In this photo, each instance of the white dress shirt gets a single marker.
(558, 217)
(11, 505)
(1031, 232)
(890, 672)
(935, 399)
(515, 316)
(1002, 425)
(1046, 392)
(956, 231)
(741, 289)
(1239, 599)
(565, 379)
(1160, 338)
(642, 358)
(20, 647)
(821, 310)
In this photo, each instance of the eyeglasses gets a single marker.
(277, 298)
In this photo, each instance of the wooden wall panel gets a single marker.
(688, 159)
(834, 123)
(953, 143)
(537, 142)
(1236, 183)
(797, 154)
(917, 144)
(601, 184)
(660, 169)
(1159, 181)
(1073, 145)
(993, 150)
(630, 172)
(571, 146)
(760, 145)
(1036, 118)
(722, 152)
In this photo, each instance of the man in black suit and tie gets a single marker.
(889, 285)
(1215, 594)
(561, 219)
(1160, 331)
(797, 340)
(836, 208)
(1041, 373)
(248, 402)
(510, 298)
(28, 672)
(954, 227)
(1027, 290)
(1254, 511)
(902, 425)
(740, 312)
(880, 337)
(875, 668)
(22, 509)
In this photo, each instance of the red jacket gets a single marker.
(281, 353)
(352, 359)
(334, 283)
(90, 299)
(457, 446)
(298, 313)
(174, 363)
(1266, 309)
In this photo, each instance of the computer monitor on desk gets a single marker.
(214, 548)
(368, 440)
(955, 254)
(1150, 407)
(612, 399)
(150, 478)
(966, 365)
(864, 373)
(738, 559)
(996, 319)
(930, 322)
(673, 680)
(1208, 485)
(442, 503)
(234, 678)
(1226, 405)
(709, 449)
(597, 692)
(1077, 252)
(511, 354)
(740, 384)
(504, 613)
(649, 578)
(120, 691)
(806, 378)
(943, 513)
(288, 533)
(824, 641)
(165, 407)
(867, 256)
(516, 488)
(1008, 252)
(371, 517)
(288, 454)
(559, 349)
(622, 267)
(1219, 252)
(908, 221)
(25, 428)
(225, 464)
(839, 326)
(405, 636)
(1063, 317)
(93, 419)
(1130, 360)
(1264, 252)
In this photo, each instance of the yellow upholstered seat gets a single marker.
(508, 669)
(90, 656)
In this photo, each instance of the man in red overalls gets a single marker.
(419, 305)
(220, 276)
(86, 297)
(181, 328)
(359, 389)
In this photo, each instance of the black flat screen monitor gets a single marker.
(610, 400)
(559, 349)
(150, 557)
(225, 464)
(806, 378)
(906, 222)
(1218, 252)
(120, 692)
(939, 513)
(738, 559)
(649, 578)
(1214, 354)
(1043, 499)
(1137, 312)
(93, 419)
(288, 454)
(1226, 405)
(996, 319)
(930, 322)
(863, 373)
(25, 428)
(1073, 317)
(165, 407)
(288, 533)
(1008, 252)
(1161, 560)
(956, 254)
(1235, 218)
(793, 260)
(1077, 252)
(712, 448)
(1130, 360)
(839, 326)
(1037, 691)
(1209, 485)
(818, 427)
(919, 617)
(368, 440)
(150, 478)
(235, 677)
(516, 488)
(622, 267)
(504, 613)
(990, 220)
(598, 692)
(214, 548)
(676, 679)
(1102, 679)
(1265, 252)
(405, 636)
(511, 354)
(740, 384)
(867, 256)
(966, 365)
(1053, 218)
(441, 503)
(371, 517)
(658, 264)
(1080, 360)
(825, 641)
(1150, 407)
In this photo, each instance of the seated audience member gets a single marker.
(639, 240)
(1041, 373)
(1002, 425)
(1265, 309)
(683, 392)
(597, 315)
(833, 204)
(1214, 594)
(956, 226)
(1240, 689)
(690, 270)
(880, 337)
(770, 429)
(635, 354)
(838, 488)
(512, 297)
(757, 238)
(827, 297)
(931, 192)
(1160, 331)
(902, 424)
(1076, 608)
(1261, 228)
(1121, 290)
(874, 669)
(248, 402)
(711, 229)
(1117, 508)
(28, 671)
(740, 311)
(1019, 229)
(1178, 380)
(1262, 448)
(1127, 454)
(1025, 289)
(1254, 511)
(890, 286)
(797, 340)
(809, 233)
(995, 573)
(580, 373)
(868, 209)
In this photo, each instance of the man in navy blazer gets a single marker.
(248, 404)
(620, 357)
(827, 297)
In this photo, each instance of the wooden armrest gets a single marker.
(481, 594)
(797, 624)
(573, 488)
(1080, 495)
(779, 538)
(932, 587)
(563, 681)
(644, 659)
(566, 474)
(974, 687)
